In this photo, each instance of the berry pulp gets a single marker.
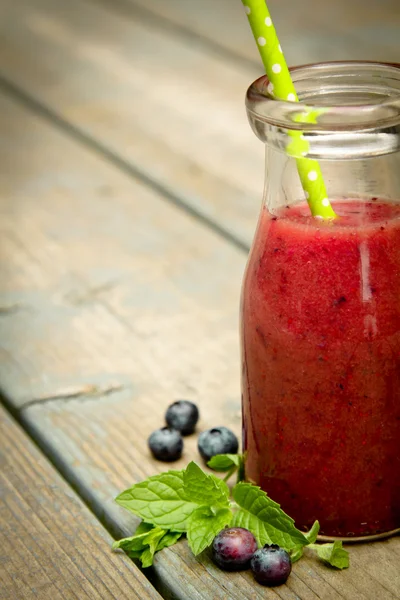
(321, 365)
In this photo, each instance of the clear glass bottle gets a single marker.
(320, 310)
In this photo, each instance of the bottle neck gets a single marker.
(364, 178)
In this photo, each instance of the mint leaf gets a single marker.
(168, 500)
(146, 542)
(154, 537)
(202, 488)
(142, 545)
(224, 462)
(204, 524)
(135, 543)
(169, 539)
(146, 557)
(333, 554)
(228, 463)
(313, 533)
(265, 518)
(160, 500)
(296, 553)
(143, 528)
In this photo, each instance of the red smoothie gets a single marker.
(321, 365)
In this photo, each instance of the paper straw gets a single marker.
(281, 87)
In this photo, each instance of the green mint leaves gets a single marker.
(181, 501)
(198, 504)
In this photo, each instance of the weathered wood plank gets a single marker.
(172, 111)
(117, 281)
(52, 547)
(310, 32)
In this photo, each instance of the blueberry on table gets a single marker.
(233, 548)
(183, 416)
(166, 444)
(271, 565)
(218, 440)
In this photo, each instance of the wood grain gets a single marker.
(310, 31)
(173, 112)
(117, 281)
(52, 547)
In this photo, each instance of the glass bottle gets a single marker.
(320, 308)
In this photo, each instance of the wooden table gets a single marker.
(129, 193)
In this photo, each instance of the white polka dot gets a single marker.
(307, 195)
(261, 41)
(247, 10)
(325, 202)
(276, 68)
(280, 48)
(268, 22)
(270, 88)
(312, 175)
(304, 153)
(291, 98)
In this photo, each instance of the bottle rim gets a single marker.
(342, 96)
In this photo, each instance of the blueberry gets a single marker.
(233, 548)
(166, 444)
(271, 565)
(218, 440)
(183, 416)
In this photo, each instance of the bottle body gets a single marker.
(320, 335)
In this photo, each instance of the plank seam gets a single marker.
(131, 10)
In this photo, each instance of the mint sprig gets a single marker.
(198, 504)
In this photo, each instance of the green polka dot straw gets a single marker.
(281, 87)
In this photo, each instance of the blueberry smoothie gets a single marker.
(321, 365)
